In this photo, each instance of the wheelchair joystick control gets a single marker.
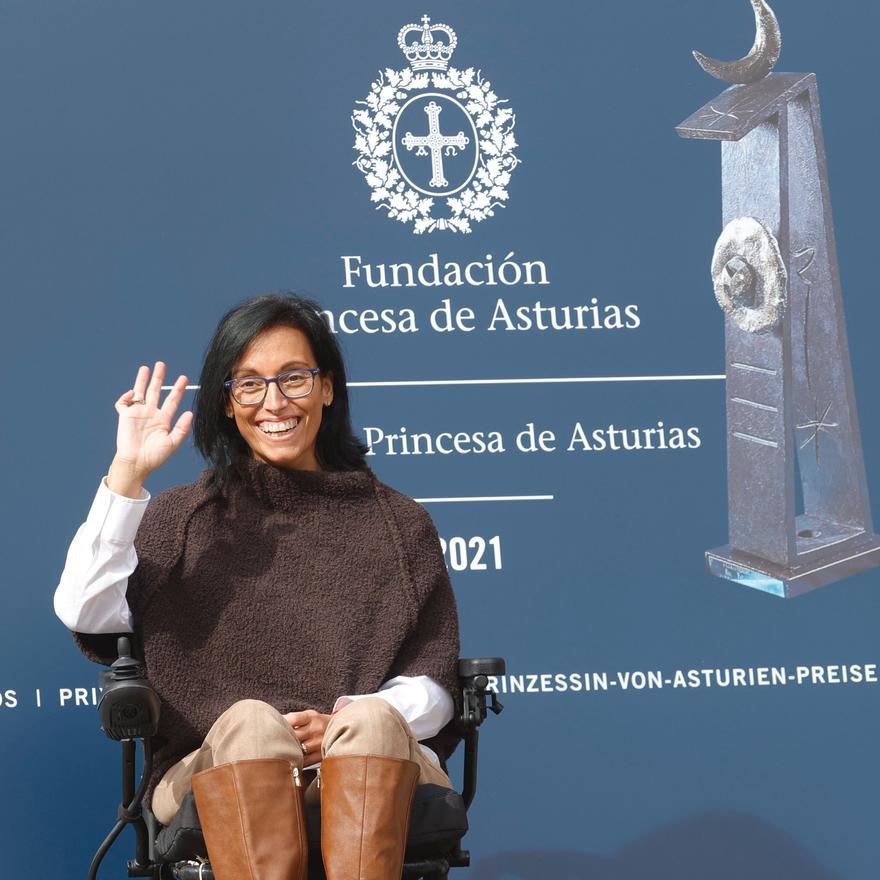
(129, 707)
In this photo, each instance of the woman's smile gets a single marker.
(278, 430)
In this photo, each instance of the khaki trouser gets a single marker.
(253, 729)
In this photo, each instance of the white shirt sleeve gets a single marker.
(426, 705)
(90, 597)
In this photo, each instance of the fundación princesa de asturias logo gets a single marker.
(435, 143)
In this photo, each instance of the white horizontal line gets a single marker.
(563, 380)
(478, 498)
(567, 380)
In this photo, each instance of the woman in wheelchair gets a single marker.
(294, 614)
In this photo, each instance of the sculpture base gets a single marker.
(759, 574)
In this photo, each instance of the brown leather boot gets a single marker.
(252, 818)
(365, 804)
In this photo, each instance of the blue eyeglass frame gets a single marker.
(229, 384)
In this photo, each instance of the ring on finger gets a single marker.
(304, 747)
(138, 399)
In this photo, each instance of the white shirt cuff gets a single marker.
(116, 517)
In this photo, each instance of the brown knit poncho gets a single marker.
(291, 587)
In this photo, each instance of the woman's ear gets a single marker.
(327, 388)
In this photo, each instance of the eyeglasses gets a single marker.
(252, 390)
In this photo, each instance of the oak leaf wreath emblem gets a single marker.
(373, 122)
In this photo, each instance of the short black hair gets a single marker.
(216, 435)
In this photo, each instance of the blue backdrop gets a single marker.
(163, 161)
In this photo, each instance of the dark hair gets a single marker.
(216, 435)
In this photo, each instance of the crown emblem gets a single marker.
(429, 54)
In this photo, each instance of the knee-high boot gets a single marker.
(252, 818)
(365, 805)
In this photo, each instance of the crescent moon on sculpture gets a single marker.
(760, 61)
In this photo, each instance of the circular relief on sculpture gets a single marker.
(749, 275)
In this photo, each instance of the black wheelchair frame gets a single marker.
(129, 710)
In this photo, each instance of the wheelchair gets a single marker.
(129, 711)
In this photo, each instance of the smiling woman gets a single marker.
(292, 610)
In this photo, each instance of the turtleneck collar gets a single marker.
(285, 489)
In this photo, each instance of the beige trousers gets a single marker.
(253, 729)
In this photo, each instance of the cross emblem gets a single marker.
(435, 142)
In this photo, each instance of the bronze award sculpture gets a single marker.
(791, 410)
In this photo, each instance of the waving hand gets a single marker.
(146, 435)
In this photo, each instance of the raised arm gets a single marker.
(90, 597)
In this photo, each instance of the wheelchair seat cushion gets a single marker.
(438, 821)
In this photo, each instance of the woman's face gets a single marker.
(272, 352)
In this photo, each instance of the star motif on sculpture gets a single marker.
(817, 426)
